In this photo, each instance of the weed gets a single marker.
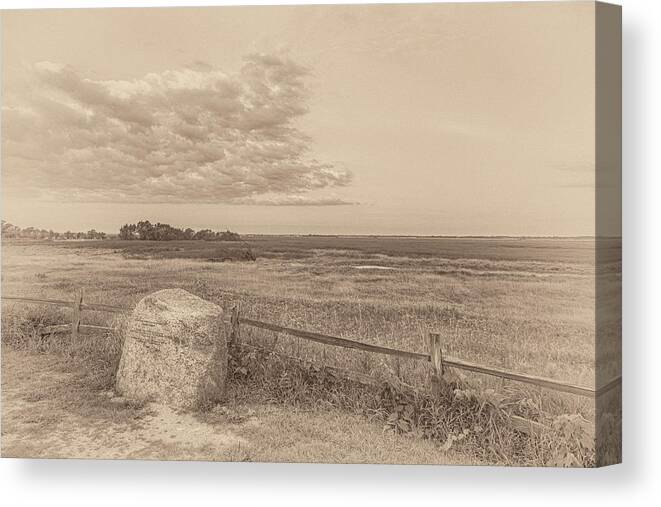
(470, 420)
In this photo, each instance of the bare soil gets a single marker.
(48, 412)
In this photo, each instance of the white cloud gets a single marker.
(296, 200)
(191, 135)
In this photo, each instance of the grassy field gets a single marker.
(524, 304)
(45, 403)
(212, 251)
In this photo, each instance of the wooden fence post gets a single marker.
(235, 327)
(75, 317)
(436, 354)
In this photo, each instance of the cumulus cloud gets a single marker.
(296, 200)
(191, 135)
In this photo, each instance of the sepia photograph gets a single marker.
(375, 234)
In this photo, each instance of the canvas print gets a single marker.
(324, 234)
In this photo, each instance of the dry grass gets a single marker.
(51, 412)
(522, 306)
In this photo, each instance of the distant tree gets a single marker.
(11, 231)
(165, 232)
(229, 236)
(144, 230)
(128, 231)
(205, 235)
(93, 234)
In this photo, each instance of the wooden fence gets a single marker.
(77, 306)
(434, 355)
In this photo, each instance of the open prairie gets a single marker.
(524, 304)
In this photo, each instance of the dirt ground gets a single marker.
(48, 412)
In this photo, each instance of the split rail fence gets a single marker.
(435, 354)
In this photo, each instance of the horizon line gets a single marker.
(403, 235)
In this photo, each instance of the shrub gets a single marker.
(475, 421)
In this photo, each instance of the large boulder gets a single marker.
(175, 351)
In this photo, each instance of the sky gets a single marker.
(438, 119)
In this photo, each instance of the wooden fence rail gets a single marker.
(435, 355)
(439, 362)
(77, 306)
(332, 340)
(58, 302)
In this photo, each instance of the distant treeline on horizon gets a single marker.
(146, 231)
(13, 231)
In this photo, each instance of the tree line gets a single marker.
(145, 230)
(13, 231)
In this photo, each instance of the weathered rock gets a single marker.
(175, 351)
